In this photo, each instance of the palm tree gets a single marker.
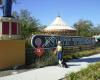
(0, 2)
(12, 0)
(7, 7)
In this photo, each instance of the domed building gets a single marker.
(59, 27)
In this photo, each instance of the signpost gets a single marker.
(42, 42)
(51, 42)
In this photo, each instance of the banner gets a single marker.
(51, 41)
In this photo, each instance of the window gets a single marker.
(5, 27)
(14, 28)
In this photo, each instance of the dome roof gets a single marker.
(58, 24)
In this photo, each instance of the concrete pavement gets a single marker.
(54, 72)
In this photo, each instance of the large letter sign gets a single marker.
(51, 41)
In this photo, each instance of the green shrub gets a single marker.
(82, 53)
(47, 59)
(90, 73)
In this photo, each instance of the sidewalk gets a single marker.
(54, 72)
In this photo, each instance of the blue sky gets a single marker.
(70, 10)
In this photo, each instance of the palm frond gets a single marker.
(15, 1)
(0, 2)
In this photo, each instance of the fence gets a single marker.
(12, 53)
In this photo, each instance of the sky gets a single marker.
(71, 11)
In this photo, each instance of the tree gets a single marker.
(28, 23)
(7, 7)
(96, 30)
(84, 28)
